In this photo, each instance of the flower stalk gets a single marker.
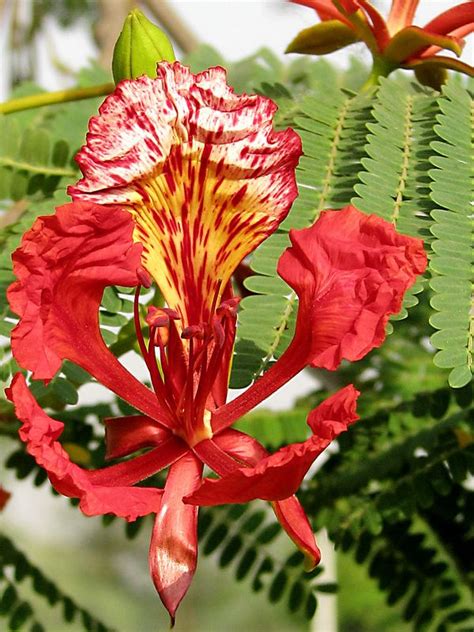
(54, 98)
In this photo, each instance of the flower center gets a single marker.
(187, 365)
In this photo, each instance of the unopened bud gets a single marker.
(140, 46)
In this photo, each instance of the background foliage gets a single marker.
(394, 496)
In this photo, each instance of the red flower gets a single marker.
(393, 43)
(4, 497)
(182, 179)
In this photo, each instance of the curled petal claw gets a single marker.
(350, 271)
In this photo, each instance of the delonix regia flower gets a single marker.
(393, 43)
(182, 180)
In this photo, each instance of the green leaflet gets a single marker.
(19, 611)
(451, 263)
(30, 161)
(242, 536)
(332, 129)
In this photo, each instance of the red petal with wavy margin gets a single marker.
(41, 433)
(350, 271)
(173, 547)
(279, 475)
(63, 264)
(201, 170)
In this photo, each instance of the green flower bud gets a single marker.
(140, 46)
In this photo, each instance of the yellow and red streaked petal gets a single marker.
(63, 265)
(173, 547)
(40, 433)
(201, 170)
(279, 475)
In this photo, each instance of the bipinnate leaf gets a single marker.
(451, 264)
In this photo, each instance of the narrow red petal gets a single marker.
(40, 433)
(325, 10)
(63, 264)
(173, 547)
(379, 26)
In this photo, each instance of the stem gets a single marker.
(380, 68)
(52, 98)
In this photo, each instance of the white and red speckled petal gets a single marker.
(201, 169)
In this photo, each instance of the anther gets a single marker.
(143, 276)
(228, 307)
(219, 333)
(193, 331)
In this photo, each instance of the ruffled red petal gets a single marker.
(350, 271)
(203, 173)
(41, 433)
(279, 475)
(63, 264)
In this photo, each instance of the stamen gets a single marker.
(149, 356)
(209, 373)
(216, 296)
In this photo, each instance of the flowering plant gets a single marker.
(234, 244)
(182, 179)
